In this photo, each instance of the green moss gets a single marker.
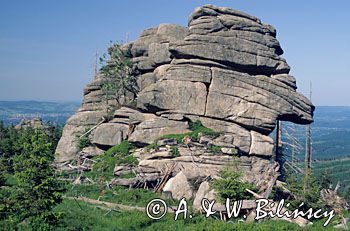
(198, 128)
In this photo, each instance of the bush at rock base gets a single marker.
(230, 185)
(119, 154)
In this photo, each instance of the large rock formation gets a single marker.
(225, 69)
(35, 122)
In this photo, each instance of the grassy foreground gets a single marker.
(84, 216)
(78, 215)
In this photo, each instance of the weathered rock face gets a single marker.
(225, 69)
(89, 114)
(192, 168)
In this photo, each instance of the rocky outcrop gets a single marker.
(91, 113)
(195, 164)
(31, 123)
(225, 69)
(179, 182)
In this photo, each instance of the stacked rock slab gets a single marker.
(88, 115)
(225, 69)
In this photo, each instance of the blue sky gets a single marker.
(47, 47)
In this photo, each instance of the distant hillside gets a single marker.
(330, 133)
(56, 112)
(332, 117)
(337, 170)
(330, 142)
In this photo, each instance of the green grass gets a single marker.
(151, 146)
(117, 194)
(174, 151)
(10, 180)
(78, 215)
(123, 149)
(178, 137)
(83, 216)
(127, 175)
(214, 148)
(117, 155)
(83, 141)
(196, 129)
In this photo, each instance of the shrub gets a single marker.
(119, 80)
(151, 146)
(215, 148)
(83, 141)
(33, 190)
(196, 128)
(178, 137)
(295, 184)
(116, 155)
(229, 185)
(174, 151)
(310, 197)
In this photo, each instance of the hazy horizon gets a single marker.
(47, 48)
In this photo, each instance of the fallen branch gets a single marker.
(106, 204)
(165, 178)
(103, 120)
(280, 185)
(79, 167)
(295, 168)
(270, 185)
(111, 205)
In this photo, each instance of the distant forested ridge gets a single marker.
(11, 112)
(330, 131)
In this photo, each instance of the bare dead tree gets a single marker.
(308, 151)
